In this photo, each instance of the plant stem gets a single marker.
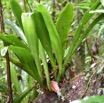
(28, 5)
(9, 78)
(38, 1)
(53, 13)
(24, 3)
(7, 58)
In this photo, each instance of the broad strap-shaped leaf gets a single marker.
(27, 61)
(85, 19)
(20, 97)
(15, 61)
(85, 33)
(53, 34)
(34, 93)
(15, 80)
(17, 11)
(37, 28)
(17, 30)
(12, 40)
(88, 29)
(32, 39)
(45, 65)
(64, 22)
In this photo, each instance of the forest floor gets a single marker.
(78, 87)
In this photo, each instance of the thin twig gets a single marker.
(7, 58)
(89, 81)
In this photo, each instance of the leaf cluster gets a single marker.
(40, 38)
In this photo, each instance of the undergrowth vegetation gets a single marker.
(42, 47)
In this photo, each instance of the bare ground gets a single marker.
(76, 88)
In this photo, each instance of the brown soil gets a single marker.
(76, 88)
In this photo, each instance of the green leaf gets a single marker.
(3, 87)
(15, 61)
(85, 33)
(20, 97)
(17, 11)
(88, 29)
(32, 39)
(34, 93)
(17, 30)
(15, 79)
(63, 23)
(45, 66)
(27, 61)
(93, 99)
(12, 40)
(53, 34)
(35, 24)
(85, 19)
